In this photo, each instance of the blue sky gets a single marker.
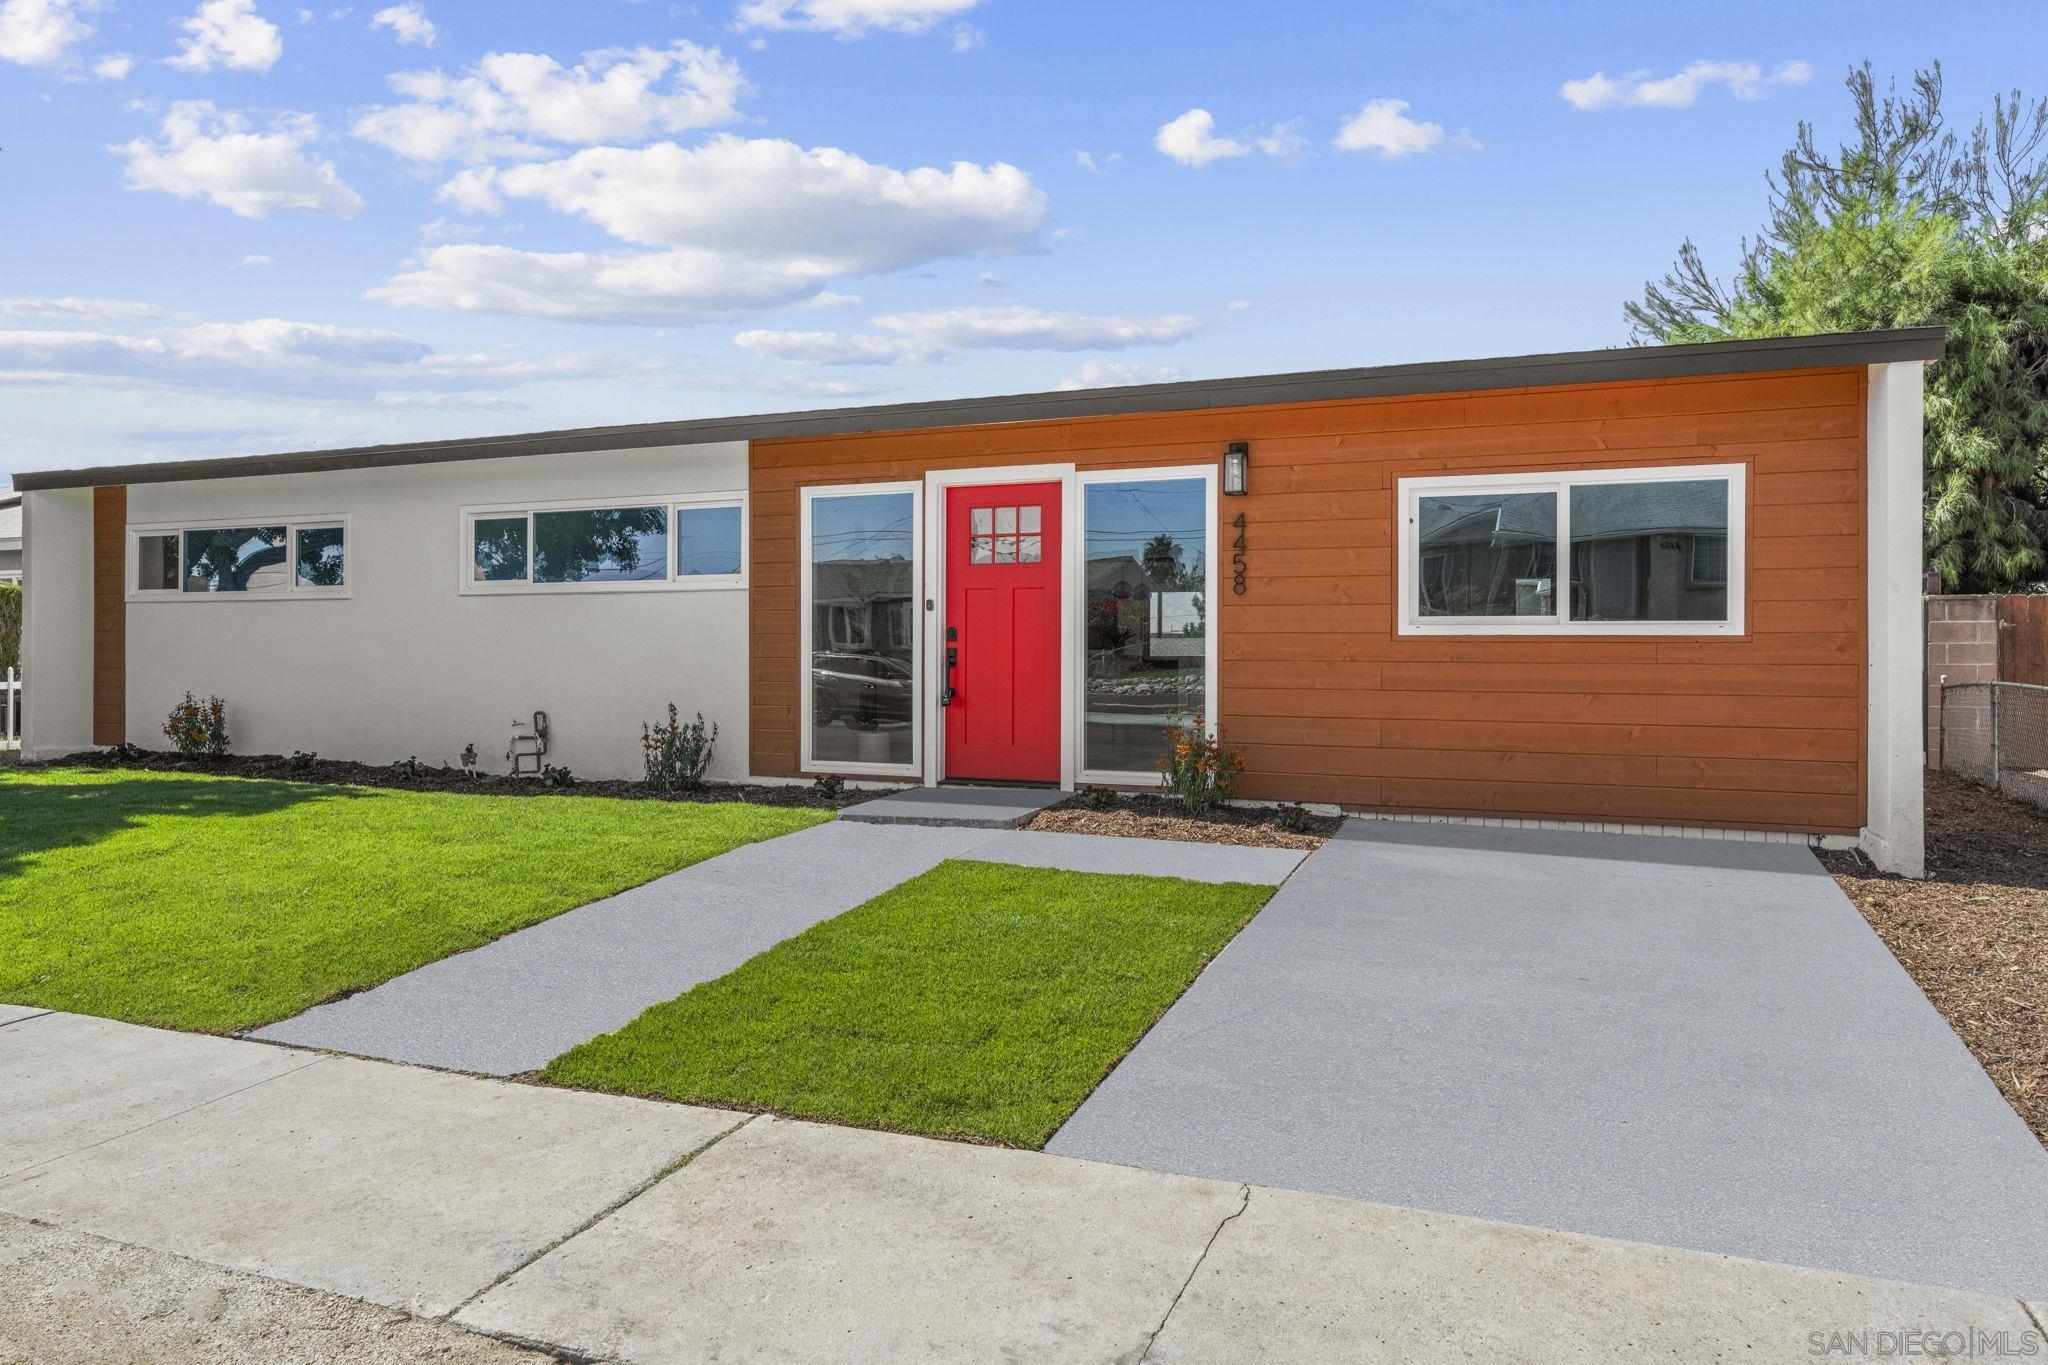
(237, 226)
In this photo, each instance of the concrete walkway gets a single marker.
(961, 807)
(516, 1004)
(565, 1220)
(1693, 1043)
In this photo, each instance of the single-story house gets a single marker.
(1666, 586)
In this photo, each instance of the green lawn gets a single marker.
(222, 903)
(978, 1000)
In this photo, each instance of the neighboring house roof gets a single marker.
(1598, 512)
(1108, 573)
(10, 521)
(847, 581)
(1383, 381)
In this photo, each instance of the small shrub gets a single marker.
(1201, 773)
(831, 787)
(1099, 798)
(677, 755)
(551, 776)
(125, 752)
(1293, 819)
(197, 728)
(469, 760)
(10, 626)
(409, 767)
(301, 760)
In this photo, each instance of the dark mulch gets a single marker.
(1974, 935)
(1146, 815)
(437, 779)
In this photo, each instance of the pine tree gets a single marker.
(1907, 225)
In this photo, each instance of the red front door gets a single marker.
(1002, 632)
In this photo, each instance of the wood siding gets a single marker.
(110, 615)
(1328, 703)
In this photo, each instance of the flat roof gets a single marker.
(1614, 364)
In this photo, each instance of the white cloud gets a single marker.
(742, 224)
(70, 307)
(227, 33)
(926, 337)
(510, 104)
(850, 18)
(1383, 128)
(966, 38)
(255, 262)
(1284, 142)
(207, 153)
(1104, 374)
(38, 32)
(988, 279)
(114, 67)
(1191, 140)
(408, 23)
(1744, 80)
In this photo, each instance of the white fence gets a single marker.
(10, 710)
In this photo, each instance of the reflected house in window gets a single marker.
(863, 613)
(1650, 551)
(1488, 554)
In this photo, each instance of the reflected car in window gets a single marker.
(864, 691)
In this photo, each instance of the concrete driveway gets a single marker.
(1678, 1041)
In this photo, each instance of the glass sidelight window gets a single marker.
(1588, 552)
(1147, 638)
(860, 583)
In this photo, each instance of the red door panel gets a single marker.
(1003, 632)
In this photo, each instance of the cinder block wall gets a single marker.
(1962, 644)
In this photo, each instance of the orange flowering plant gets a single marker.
(1200, 772)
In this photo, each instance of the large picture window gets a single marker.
(860, 585)
(1619, 552)
(1146, 624)
(252, 558)
(653, 543)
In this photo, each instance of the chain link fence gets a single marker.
(1997, 734)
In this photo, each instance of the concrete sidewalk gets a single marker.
(620, 1229)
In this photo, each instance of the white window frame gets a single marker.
(1408, 567)
(670, 581)
(293, 590)
(1077, 611)
(807, 761)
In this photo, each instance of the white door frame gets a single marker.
(936, 483)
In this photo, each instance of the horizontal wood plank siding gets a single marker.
(110, 615)
(1329, 704)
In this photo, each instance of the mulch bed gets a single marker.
(1145, 816)
(1974, 935)
(334, 772)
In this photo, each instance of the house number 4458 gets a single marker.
(1237, 555)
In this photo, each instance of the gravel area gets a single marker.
(84, 1300)
(432, 778)
(1146, 816)
(1975, 933)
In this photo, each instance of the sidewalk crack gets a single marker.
(1244, 1202)
(2033, 1317)
(607, 1211)
(23, 1019)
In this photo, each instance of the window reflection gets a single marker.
(863, 614)
(1487, 554)
(498, 546)
(156, 562)
(236, 559)
(1147, 617)
(601, 545)
(1652, 551)
(319, 555)
(707, 541)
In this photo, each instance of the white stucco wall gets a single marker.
(409, 665)
(56, 625)
(1894, 833)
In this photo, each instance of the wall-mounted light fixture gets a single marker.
(1237, 468)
